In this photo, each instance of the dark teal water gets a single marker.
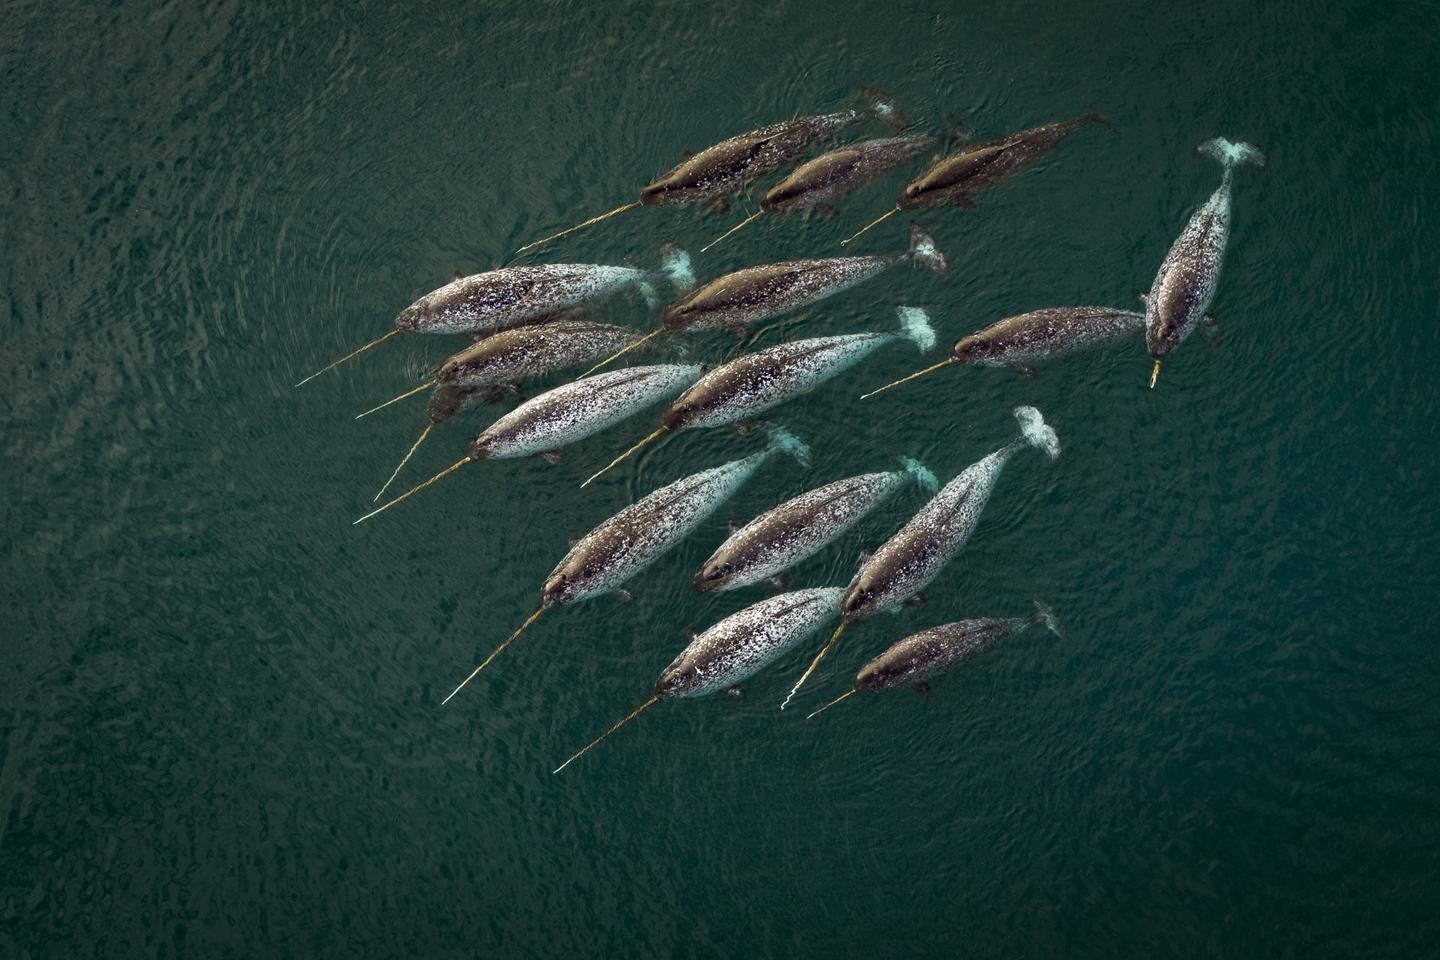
(220, 701)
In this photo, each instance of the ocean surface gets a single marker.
(220, 722)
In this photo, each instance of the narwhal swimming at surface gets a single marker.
(759, 381)
(1018, 341)
(631, 540)
(571, 412)
(710, 176)
(1186, 281)
(914, 556)
(954, 179)
(914, 660)
(485, 303)
(736, 648)
(737, 300)
(799, 528)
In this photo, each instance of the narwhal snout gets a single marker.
(712, 575)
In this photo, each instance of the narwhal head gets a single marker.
(973, 349)
(679, 679)
(857, 601)
(713, 575)
(564, 584)
(780, 196)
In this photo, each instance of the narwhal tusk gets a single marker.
(918, 373)
(580, 226)
(413, 490)
(600, 739)
(884, 216)
(416, 446)
(831, 704)
(616, 356)
(1154, 374)
(732, 230)
(815, 663)
(407, 393)
(495, 653)
(348, 356)
(623, 456)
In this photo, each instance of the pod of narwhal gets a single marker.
(914, 660)
(736, 300)
(759, 381)
(713, 174)
(914, 556)
(631, 540)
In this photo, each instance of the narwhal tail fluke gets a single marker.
(581, 226)
(883, 107)
(404, 460)
(1045, 616)
(676, 268)
(617, 355)
(918, 373)
(921, 473)
(601, 739)
(1232, 154)
(624, 456)
(832, 703)
(878, 220)
(733, 229)
(495, 653)
(1036, 432)
(349, 356)
(408, 393)
(815, 663)
(915, 327)
(415, 489)
(923, 250)
(1154, 374)
(784, 441)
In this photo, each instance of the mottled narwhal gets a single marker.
(737, 300)
(953, 180)
(917, 658)
(717, 171)
(631, 540)
(799, 528)
(1018, 341)
(914, 556)
(568, 413)
(759, 381)
(1186, 281)
(735, 649)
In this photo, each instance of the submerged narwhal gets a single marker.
(915, 659)
(799, 528)
(915, 555)
(1018, 341)
(634, 538)
(762, 380)
(737, 300)
(711, 175)
(735, 649)
(1186, 281)
(571, 412)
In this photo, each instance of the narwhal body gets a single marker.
(842, 170)
(796, 530)
(737, 648)
(1186, 281)
(531, 351)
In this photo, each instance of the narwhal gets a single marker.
(737, 300)
(631, 540)
(710, 176)
(914, 556)
(799, 528)
(914, 660)
(1186, 281)
(1018, 341)
(571, 412)
(954, 179)
(485, 303)
(758, 381)
(736, 648)
(816, 182)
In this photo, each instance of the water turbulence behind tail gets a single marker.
(495, 653)
(815, 663)
(601, 739)
(582, 225)
(348, 356)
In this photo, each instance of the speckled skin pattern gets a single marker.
(1186, 281)
(578, 409)
(922, 655)
(730, 164)
(635, 537)
(795, 530)
(842, 170)
(913, 557)
(758, 381)
(742, 644)
(954, 178)
(1041, 334)
(514, 355)
(511, 296)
